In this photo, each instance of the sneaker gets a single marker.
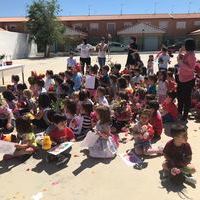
(190, 180)
(62, 160)
(165, 175)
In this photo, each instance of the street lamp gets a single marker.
(143, 39)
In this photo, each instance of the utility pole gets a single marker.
(189, 7)
(89, 10)
(121, 10)
(155, 7)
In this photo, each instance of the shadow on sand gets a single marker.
(49, 167)
(175, 185)
(90, 162)
(8, 165)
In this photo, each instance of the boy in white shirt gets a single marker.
(163, 60)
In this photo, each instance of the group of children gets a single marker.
(134, 100)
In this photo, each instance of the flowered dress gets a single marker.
(103, 148)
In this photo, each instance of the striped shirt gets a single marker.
(86, 122)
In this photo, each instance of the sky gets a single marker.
(11, 8)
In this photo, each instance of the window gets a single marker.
(180, 25)
(163, 24)
(147, 22)
(197, 23)
(111, 27)
(127, 24)
(77, 26)
(12, 26)
(115, 45)
(94, 26)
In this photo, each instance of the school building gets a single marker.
(151, 30)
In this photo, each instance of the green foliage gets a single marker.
(43, 24)
(2, 57)
(58, 105)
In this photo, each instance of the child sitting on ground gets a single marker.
(105, 146)
(169, 109)
(178, 154)
(142, 134)
(86, 110)
(61, 133)
(122, 113)
(49, 82)
(171, 83)
(41, 121)
(6, 117)
(155, 119)
(100, 98)
(27, 145)
(71, 62)
(151, 88)
(39, 87)
(15, 81)
(31, 105)
(10, 99)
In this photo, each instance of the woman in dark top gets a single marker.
(132, 48)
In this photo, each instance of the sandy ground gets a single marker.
(86, 179)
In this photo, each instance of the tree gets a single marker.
(43, 24)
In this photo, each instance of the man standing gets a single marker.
(102, 47)
(85, 58)
(131, 49)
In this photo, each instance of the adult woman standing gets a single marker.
(186, 77)
(102, 47)
(85, 58)
(131, 49)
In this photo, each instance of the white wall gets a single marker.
(16, 45)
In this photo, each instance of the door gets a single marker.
(150, 43)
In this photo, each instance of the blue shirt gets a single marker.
(77, 78)
(71, 62)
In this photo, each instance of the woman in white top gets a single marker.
(102, 47)
(85, 49)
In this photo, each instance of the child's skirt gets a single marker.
(103, 148)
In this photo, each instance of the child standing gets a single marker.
(150, 65)
(162, 86)
(105, 147)
(178, 154)
(163, 60)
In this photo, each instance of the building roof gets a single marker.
(140, 29)
(197, 32)
(111, 17)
